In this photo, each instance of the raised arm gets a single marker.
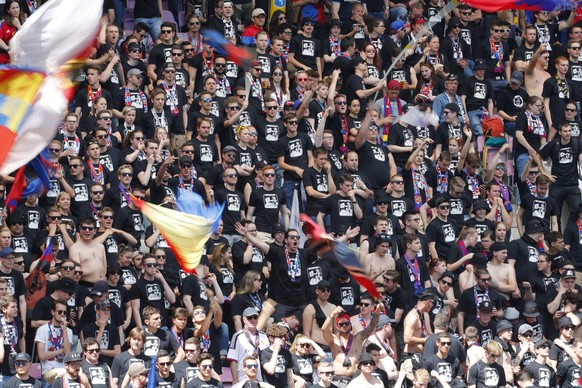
(262, 246)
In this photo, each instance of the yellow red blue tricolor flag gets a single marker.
(33, 88)
(187, 230)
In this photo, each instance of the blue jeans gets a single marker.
(509, 128)
(279, 177)
(223, 339)
(498, 84)
(475, 117)
(290, 187)
(155, 25)
(119, 7)
(468, 71)
(4, 379)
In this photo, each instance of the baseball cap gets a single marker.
(22, 357)
(396, 25)
(480, 64)
(530, 310)
(323, 284)
(394, 85)
(426, 295)
(569, 274)
(134, 72)
(66, 285)
(256, 63)
(516, 77)
(453, 107)
(104, 304)
(502, 325)
(524, 329)
(485, 305)
(72, 357)
(365, 357)
(99, 288)
(257, 12)
(382, 238)
(136, 369)
(249, 311)
(184, 159)
(228, 148)
(565, 321)
(6, 251)
(534, 226)
(498, 246)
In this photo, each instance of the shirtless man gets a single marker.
(311, 326)
(362, 320)
(90, 254)
(536, 72)
(379, 261)
(366, 365)
(345, 346)
(502, 275)
(416, 325)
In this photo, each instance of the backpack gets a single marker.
(494, 133)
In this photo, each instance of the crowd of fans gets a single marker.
(458, 223)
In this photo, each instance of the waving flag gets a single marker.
(239, 55)
(345, 255)
(186, 230)
(533, 5)
(34, 89)
(153, 374)
(30, 179)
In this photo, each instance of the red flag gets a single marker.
(17, 188)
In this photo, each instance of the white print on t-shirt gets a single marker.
(153, 292)
(280, 368)
(245, 159)
(295, 148)
(270, 201)
(111, 245)
(398, 75)
(544, 377)
(539, 209)
(345, 208)
(151, 346)
(257, 256)
(294, 270)
(20, 244)
(81, 193)
(445, 371)
(518, 101)
(265, 64)
(231, 69)
(244, 119)
(53, 189)
(321, 183)
(379, 154)
(360, 32)
(347, 296)
(449, 233)
(565, 155)
(104, 339)
(136, 222)
(398, 208)
(9, 285)
(33, 219)
(271, 133)
(105, 160)
(533, 254)
(227, 277)
(115, 297)
(205, 153)
(233, 203)
(491, 377)
(479, 91)
(315, 275)
(304, 367)
(127, 277)
(456, 206)
(486, 335)
(408, 138)
(308, 48)
(576, 72)
(97, 375)
(466, 35)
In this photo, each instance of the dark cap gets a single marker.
(365, 357)
(448, 274)
(543, 342)
(323, 284)
(136, 369)
(480, 204)
(498, 246)
(228, 148)
(22, 357)
(479, 260)
(341, 273)
(383, 321)
(14, 218)
(502, 325)
(381, 198)
(516, 77)
(334, 23)
(453, 107)
(480, 64)
(396, 26)
(426, 295)
(307, 20)
(6, 251)
(113, 267)
(530, 310)
(454, 22)
(66, 285)
(452, 77)
(485, 305)
(185, 159)
(256, 63)
(99, 288)
(104, 304)
(382, 238)
(167, 65)
(534, 226)
(72, 357)
(278, 228)
(133, 46)
(103, 49)
(565, 321)
(569, 274)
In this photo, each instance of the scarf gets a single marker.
(442, 180)
(473, 183)
(144, 99)
(172, 98)
(419, 186)
(534, 124)
(497, 53)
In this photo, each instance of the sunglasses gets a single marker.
(341, 103)
(67, 268)
(135, 51)
(168, 364)
(169, 71)
(397, 182)
(328, 373)
(126, 174)
(220, 64)
(188, 151)
(151, 265)
(500, 167)
(348, 323)
(293, 122)
(55, 218)
(234, 108)
(277, 74)
(269, 174)
(325, 289)
(88, 228)
(445, 344)
(191, 350)
(177, 54)
(93, 350)
(294, 237)
(54, 150)
(19, 262)
(232, 175)
(75, 165)
(194, 24)
(186, 165)
(304, 345)
(207, 366)
(446, 283)
(241, 95)
(444, 207)
(253, 317)
(167, 31)
(107, 217)
(105, 118)
(160, 256)
(570, 110)
(252, 366)
(368, 363)
(365, 304)
(271, 107)
(60, 312)
(301, 79)
(115, 273)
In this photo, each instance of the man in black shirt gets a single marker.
(342, 206)
(510, 101)
(276, 360)
(318, 182)
(441, 231)
(161, 53)
(304, 50)
(540, 207)
(356, 84)
(523, 253)
(477, 95)
(235, 205)
(443, 362)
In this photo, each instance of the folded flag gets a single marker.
(532, 5)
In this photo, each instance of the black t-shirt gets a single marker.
(410, 274)
(240, 268)
(197, 383)
(525, 253)
(477, 93)
(160, 54)
(493, 55)
(288, 282)
(564, 160)
(569, 373)
(319, 182)
(150, 293)
(401, 136)
(177, 94)
(471, 297)
(353, 85)
(448, 368)
(443, 234)
(83, 101)
(558, 98)
(306, 50)
(511, 101)
(233, 204)
(544, 375)
(267, 204)
(538, 208)
(532, 135)
(342, 211)
(31, 382)
(483, 375)
(205, 154)
(269, 134)
(375, 163)
(294, 150)
(284, 362)
(109, 339)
